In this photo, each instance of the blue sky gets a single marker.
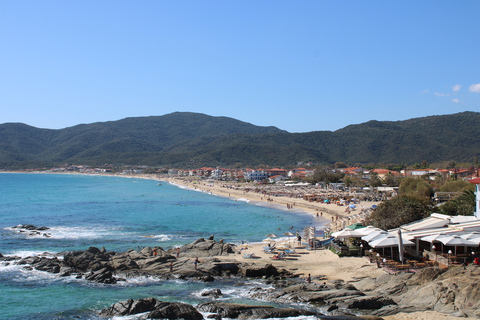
(298, 65)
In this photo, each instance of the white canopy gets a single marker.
(347, 233)
(390, 241)
(435, 237)
(456, 241)
(375, 235)
(368, 230)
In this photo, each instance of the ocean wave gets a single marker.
(160, 237)
(62, 232)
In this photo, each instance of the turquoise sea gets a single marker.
(119, 214)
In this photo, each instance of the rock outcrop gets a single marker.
(204, 248)
(242, 311)
(98, 265)
(31, 230)
(157, 309)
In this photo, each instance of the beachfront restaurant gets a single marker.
(439, 240)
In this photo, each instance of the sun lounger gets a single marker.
(248, 255)
(279, 256)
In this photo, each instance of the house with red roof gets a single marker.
(383, 172)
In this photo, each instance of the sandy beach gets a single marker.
(336, 217)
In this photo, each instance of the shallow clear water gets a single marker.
(120, 214)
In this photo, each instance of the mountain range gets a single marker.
(185, 139)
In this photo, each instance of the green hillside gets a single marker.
(191, 139)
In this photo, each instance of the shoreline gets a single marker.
(333, 216)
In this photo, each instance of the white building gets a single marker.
(256, 175)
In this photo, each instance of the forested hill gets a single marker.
(191, 139)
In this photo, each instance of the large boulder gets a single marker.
(268, 270)
(242, 311)
(90, 259)
(204, 248)
(175, 310)
(157, 309)
(129, 307)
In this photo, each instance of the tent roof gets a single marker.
(356, 226)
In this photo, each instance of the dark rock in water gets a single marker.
(101, 276)
(175, 310)
(130, 306)
(157, 309)
(90, 259)
(1, 255)
(30, 227)
(212, 293)
(242, 311)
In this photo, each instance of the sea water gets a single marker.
(119, 214)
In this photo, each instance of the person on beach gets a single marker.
(171, 266)
(178, 252)
(309, 279)
(195, 263)
(155, 252)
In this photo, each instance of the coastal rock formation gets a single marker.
(157, 309)
(31, 230)
(242, 311)
(100, 266)
(204, 248)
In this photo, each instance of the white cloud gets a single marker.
(425, 91)
(475, 88)
(438, 94)
(456, 88)
(456, 100)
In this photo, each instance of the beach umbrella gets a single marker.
(434, 238)
(374, 206)
(367, 230)
(375, 235)
(471, 235)
(272, 235)
(352, 206)
(347, 233)
(288, 234)
(390, 241)
(457, 242)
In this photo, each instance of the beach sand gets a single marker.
(335, 216)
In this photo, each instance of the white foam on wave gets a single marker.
(31, 253)
(160, 237)
(61, 232)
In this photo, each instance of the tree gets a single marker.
(419, 187)
(464, 205)
(398, 211)
(456, 186)
(375, 179)
(340, 165)
(451, 164)
(391, 180)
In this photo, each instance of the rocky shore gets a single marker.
(454, 292)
